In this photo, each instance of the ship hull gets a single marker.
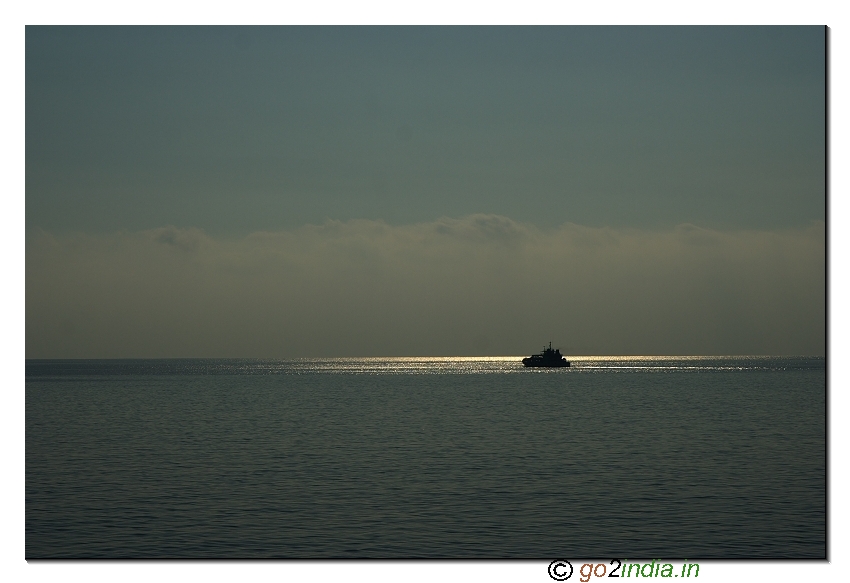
(531, 362)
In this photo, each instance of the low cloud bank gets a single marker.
(483, 284)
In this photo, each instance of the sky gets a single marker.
(367, 191)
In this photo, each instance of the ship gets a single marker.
(548, 358)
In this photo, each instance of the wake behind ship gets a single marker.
(548, 358)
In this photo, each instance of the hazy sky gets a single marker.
(451, 190)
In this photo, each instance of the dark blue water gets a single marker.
(630, 457)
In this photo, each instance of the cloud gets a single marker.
(483, 284)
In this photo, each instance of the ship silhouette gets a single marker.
(548, 358)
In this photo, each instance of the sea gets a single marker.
(473, 458)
